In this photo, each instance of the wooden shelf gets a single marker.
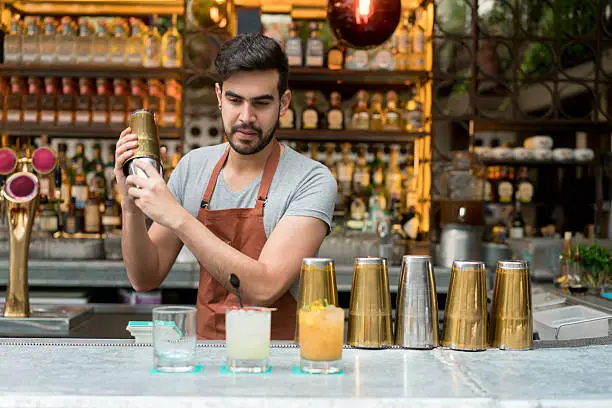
(311, 76)
(89, 71)
(353, 136)
(98, 7)
(536, 163)
(81, 132)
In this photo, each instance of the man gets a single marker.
(251, 207)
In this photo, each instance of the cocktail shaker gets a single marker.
(144, 126)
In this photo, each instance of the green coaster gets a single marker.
(296, 370)
(223, 370)
(198, 369)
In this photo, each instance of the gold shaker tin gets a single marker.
(144, 126)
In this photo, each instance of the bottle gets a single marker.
(47, 43)
(361, 115)
(402, 58)
(31, 101)
(48, 219)
(335, 56)
(100, 103)
(95, 166)
(382, 57)
(413, 113)
(92, 214)
(66, 42)
(376, 118)
(293, 47)
(361, 175)
(138, 95)
(72, 223)
(152, 46)
(66, 102)
(118, 42)
(393, 179)
(117, 102)
(378, 169)
(134, 43)
(565, 262)
(12, 42)
(287, 120)
(80, 191)
(417, 55)
(345, 168)
(66, 179)
(172, 46)
(335, 115)
(30, 41)
(517, 224)
(392, 115)
(84, 42)
(314, 47)
(155, 99)
(505, 187)
(310, 115)
(79, 159)
(111, 218)
(48, 101)
(109, 167)
(14, 101)
(330, 161)
(101, 43)
(524, 187)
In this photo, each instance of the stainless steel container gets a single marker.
(144, 126)
(416, 323)
(459, 242)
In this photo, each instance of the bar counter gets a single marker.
(115, 373)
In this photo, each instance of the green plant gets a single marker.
(596, 263)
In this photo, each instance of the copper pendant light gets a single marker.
(364, 23)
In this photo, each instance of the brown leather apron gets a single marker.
(243, 229)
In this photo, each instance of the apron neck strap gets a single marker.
(266, 180)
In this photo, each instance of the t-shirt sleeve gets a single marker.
(315, 197)
(177, 180)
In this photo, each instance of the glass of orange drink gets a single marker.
(321, 338)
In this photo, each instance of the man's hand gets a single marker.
(152, 196)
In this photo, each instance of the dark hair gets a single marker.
(252, 52)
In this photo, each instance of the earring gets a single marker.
(219, 106)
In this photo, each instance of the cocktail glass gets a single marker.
(174, 338)
(321, 338)
(247, 334)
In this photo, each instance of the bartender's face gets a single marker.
(250, 109)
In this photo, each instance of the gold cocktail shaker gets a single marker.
(144, 126)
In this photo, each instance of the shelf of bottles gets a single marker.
(82, 77)
(379, 95)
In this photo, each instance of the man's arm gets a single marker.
(265, 280)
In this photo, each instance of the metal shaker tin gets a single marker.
(144, 126)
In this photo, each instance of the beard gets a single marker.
(262, 140)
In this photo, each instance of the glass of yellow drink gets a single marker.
(321, 338)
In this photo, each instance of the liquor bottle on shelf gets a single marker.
(293, 47)
(314, 47)
(361, 175)
(96, 166)
(109, 167)
(92, 214)
(83, 102)
(73, 223)
(66, 42)
(134, 43)
(30, 41)
(47, 52)
(111, 218)
(394, 179)
(402, 35)
(287, 120)
(101, 43)
(118, 102)
(310, 115)
(12, 42)
(357, 60)
(524, 187)
(382, 58)
(155, 98)
(79, 159)
(345, 168)
(489, 191)
(14, 111)
(417, 55)
(48, 218)
(31, 101)
(152, 46)
(66, 182)
(136, 100)
(48, 101)
(361, 115)
(172, 46)
(80, 190)
(99, 103)
(335, 56)
(392, 115)
(335, 114)
(84, 42)
(378, 169)
(413, 114)
(376, 117)
(505, 187)
(517, 224)
(330, 160)
(4, 91)
(172, 104)
(118, 42)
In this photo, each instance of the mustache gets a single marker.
(246, 128)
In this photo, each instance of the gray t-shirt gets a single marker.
(300, 187)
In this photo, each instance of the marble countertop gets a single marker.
(46, 373)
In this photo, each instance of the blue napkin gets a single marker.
(198, 369)
(225, 371)
(296, 370)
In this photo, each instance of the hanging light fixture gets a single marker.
(364, 23)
